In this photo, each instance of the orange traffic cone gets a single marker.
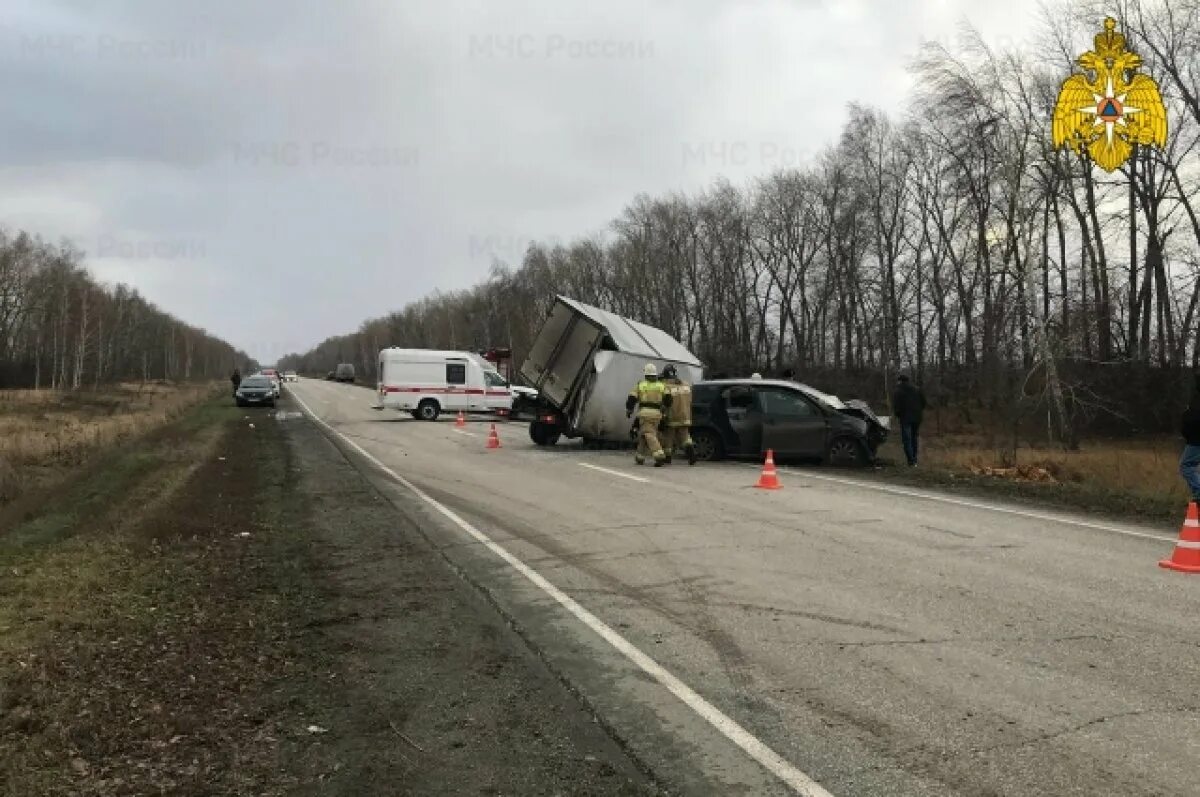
(493, 440)
(769, 480)
(1186, 557)
(461, 421)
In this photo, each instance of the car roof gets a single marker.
(809, 390)
(751, 382)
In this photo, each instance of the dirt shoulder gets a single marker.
(228, 609)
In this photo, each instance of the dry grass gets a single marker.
(1147, 467)
(44, 432)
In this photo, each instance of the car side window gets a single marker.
(493, 379)
(739, 398)
(785, 403)
(456, 374)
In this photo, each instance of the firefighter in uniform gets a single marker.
(650, 397)
(678, 419)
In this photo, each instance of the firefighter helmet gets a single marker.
(650, 370)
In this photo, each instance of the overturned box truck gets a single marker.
(583, 364)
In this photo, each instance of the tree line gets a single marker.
(60, 328)
(952, 241)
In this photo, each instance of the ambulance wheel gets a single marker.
(543, 434)
(428, 410)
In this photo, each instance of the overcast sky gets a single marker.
(278, 171)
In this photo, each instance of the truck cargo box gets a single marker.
(583, 364)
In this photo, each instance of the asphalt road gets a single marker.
(831, 633)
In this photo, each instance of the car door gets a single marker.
(792, 426)
(745, 422)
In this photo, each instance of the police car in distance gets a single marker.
(744, 418)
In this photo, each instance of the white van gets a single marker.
(426, 383)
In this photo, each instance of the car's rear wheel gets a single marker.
(846, 452)
(708, 445)
(428, 410)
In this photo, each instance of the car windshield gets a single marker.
(494, 379)
(255, 381)
(833, 401)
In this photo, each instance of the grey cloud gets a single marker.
(277, 171)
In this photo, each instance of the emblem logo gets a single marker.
(1107, 108)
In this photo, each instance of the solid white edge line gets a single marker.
(726, 726)
(976, 505)
(463, 431)
(611, 472)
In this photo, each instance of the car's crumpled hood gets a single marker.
(864, 408)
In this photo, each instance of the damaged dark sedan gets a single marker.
(743, 418)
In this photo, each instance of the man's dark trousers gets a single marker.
(910, 434)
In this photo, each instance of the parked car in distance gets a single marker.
(255, 391)
(744, 418)
(290, 376)
(344, 372)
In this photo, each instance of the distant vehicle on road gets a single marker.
(276, 380)
(525, 400)
(743, 418)
(583, 364)
(256, 390)
(331, 376)
(428, 382)
(344, 372)
(290, 376)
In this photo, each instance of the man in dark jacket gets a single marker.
(908, 404)
(1190, 428)
(236, 379)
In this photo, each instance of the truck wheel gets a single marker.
(708, 446)
(428, 410)
(543, 434)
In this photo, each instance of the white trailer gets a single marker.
(428, 382)
(583, 364)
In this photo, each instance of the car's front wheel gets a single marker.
(846, 452)
(428, 410)
(708, 446)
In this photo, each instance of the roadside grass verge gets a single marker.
(1136, 479)
(46, 433)
(145, 625)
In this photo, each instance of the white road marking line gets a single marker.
(798, 781)
(987, 507)
(460, 431)
(611, 472)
